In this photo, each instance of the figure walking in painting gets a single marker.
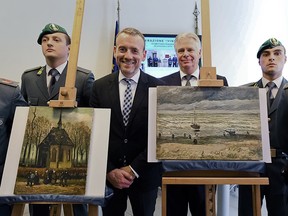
(36, 178)
(30, 179)
(64, 178)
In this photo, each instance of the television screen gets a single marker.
(161, 59)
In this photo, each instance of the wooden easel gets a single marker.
(67, 99)
(207, 72)
(210, 178)
(67, 94)
(208, 78)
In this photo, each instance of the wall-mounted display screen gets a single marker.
(161, 59)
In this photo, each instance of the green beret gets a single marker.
(269, 44)
(50, 29)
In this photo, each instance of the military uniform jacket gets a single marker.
(276, 125)
(128, 145)
(10, 97)
(35, 91)
(283, 120)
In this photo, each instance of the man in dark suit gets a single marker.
(179, 197)
(128, 172)
(39, 85)
(10, 97)
(272, 58)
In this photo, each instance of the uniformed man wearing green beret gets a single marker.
(42, 84)
(10, 98)
(272, 58)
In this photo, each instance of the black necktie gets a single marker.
(127, 101)
(53, 72)
(270, 97)
(188, 77)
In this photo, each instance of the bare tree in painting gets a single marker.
(43, 126)
(82, 150)
(37, 128)
(79, 133)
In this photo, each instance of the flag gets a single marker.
(114, 64)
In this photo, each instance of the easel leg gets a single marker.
(68, 209)
(55, 210)
(210, 200)
(18, 209)
(164, 199)
(256, 200)
(93, 210)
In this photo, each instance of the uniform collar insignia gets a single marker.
(255, 84)
(40, 71)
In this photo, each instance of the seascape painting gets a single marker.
(55, 151)
(212, 123)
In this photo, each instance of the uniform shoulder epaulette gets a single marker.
(83, 70)
(33, 69)
(8, 82)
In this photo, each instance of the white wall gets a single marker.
(238, 28)
(22, 22)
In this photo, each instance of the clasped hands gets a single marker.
(121, 178)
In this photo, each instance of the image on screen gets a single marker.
(161, 59)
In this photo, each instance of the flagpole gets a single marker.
(118, 13)
(196, 14)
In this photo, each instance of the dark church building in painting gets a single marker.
(55, 151)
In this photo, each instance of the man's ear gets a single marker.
(144, 55)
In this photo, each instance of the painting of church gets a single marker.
(57, 139)
(55, 151)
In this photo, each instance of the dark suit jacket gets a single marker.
(35, 91)
(10, 97)
(174, 79)
(128, 146)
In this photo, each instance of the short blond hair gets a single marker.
(132, 32)
(189, 35)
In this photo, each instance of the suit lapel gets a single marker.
(42, 83)
(113, 87)
(177, 79)
(140, 95)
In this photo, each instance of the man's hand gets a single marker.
(128, 169)
(120, 178)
